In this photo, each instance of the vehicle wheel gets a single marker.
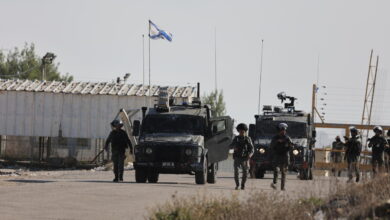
(212, 173)
(140, 175)
(259, 173)
(153, 177)
(200, 176)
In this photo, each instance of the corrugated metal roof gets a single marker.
(93, 88)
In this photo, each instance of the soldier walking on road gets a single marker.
(352, 154)
(337, 146)
(243, 150)
(387, 153)
(119, 142)
(378, 144)
(280, 149)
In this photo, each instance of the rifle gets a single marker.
(93, 160)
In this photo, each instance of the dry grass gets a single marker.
(352, 201)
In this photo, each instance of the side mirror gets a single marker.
(252, 131)
(313, 133)
(136, 127)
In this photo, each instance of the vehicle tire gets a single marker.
(212, 173)
(259, 173)
(141, 175)
(200, 176)
(302, 174)
(153, 176)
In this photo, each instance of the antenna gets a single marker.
(261, 73)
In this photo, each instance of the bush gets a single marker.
(351, 201)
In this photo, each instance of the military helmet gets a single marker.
(282, 126)
(353, 129)
(242, 126)
(117, 123)
(378, 128)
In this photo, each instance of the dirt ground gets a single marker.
(91, 194)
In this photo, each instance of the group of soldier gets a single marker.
(353, 147)
(280, 147)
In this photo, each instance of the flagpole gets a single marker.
(261, 73)
(149, 66)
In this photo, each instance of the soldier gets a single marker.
(280, 147)
(243, 150)
(352, 154)
(119, 142)
(378, 144)
(387, 153)
(336, 156)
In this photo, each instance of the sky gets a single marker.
(305, 42)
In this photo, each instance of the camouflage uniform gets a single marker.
(353, 149)
(243, 149)
(378, 144)
(280, 148)
(336, 156)
(119, 142)
(387, 157)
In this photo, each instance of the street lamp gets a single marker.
(47, 59)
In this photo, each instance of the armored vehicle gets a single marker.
(180, 139)
(300, 129)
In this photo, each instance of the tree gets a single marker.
(216, 101)
(26, 64)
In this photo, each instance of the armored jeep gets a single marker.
(300, 129)
(180, 139)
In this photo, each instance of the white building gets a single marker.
(71, 110)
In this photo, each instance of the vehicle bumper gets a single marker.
(170, 167)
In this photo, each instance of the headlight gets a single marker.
(188, 152)
(295, 152)
(261, 150)
(148, 150)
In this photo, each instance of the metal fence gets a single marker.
(56, 151)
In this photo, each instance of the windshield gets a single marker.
(269, 129)
(173, 124)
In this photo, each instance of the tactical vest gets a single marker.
(242, 146)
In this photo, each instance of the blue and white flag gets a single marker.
(156, 33)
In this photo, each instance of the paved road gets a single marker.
(85, 194)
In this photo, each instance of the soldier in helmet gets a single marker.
(280, 147)
(387, 153)
(337, 145)
(378, 144)
(352, 153)
(243, 150)
(119, 142)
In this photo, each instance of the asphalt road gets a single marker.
(90, 194)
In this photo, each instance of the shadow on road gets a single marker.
(31, 181)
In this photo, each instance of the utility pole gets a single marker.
(370, 92)
(215, 59)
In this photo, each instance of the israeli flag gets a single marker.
(156, 33)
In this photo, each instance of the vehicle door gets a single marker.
(221, 134)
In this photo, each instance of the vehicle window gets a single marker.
(173, 124)
(269, 129)
(220, 126)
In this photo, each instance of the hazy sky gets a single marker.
(100, 40)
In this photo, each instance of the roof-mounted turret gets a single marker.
(289, 106)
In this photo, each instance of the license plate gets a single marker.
(168, 164)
